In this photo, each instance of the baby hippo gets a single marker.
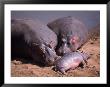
(70, 61)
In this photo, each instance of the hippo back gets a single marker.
(35, 32)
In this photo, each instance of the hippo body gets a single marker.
(34, 39)
(71, 32)
(70, 61)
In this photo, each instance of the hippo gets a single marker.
(71, 61)
(72, 34)
(33, 38)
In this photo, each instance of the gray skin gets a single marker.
(71, 61)
(33, 38)
(71, 32)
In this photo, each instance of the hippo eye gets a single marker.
(63, 40)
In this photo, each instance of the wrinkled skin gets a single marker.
(71, 32)
(70, 61)
(35, 39)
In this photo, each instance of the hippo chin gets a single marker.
(72, 34)
(35, 39)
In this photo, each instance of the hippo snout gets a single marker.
(63, 50)
(50, 56)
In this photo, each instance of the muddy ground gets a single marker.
(27, 68)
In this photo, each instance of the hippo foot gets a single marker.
(61, 71)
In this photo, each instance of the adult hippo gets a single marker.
(72, 34)
(33, 38)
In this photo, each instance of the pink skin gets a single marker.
(74, 39)
(70, 61)
(71, 47)
(74, 43)
(71, 66)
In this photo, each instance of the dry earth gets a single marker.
(24, 67)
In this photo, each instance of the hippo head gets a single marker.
(49, 55)
(43, 54)
(68, 44)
